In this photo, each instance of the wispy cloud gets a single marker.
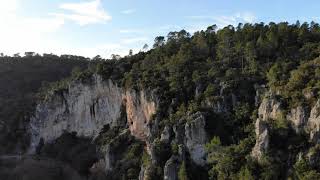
(84, 13)
(128, 11)
(225, 20)
(246, 16)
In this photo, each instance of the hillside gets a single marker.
(233, 103)
(21, 78)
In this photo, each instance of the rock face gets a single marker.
(86, 108)
(301, 118)
(269, 108)
(165, 135)
(196, 138)
(171, 169)
(313, 125)
(139, 113)
(262, 139)
(260, 90)
(142, 174)
(108, 158)
(298, 117)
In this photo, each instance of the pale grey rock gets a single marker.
(179, 133)
(171, 169)
(166, 133)
(313, 124)
(142, 173)
(270, 108)
(262, 139)
(152, 152)
(196, 138)
(85, 108)
(182, 152)
(298, 117)
(199, 90)
(108, 158)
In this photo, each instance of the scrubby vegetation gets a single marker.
(192, 72)
(214, 71)
(80, 153)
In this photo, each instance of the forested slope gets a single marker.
(21, 79)
(232, 103)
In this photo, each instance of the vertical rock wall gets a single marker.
(86, 108)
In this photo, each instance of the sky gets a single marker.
(104, 27)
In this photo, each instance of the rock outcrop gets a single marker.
(301, 118)
(108, 158)
(262, 139)
(171, 169)
(166, 134)
(270, 108)
(86, 107)
(260, 91)
(196, 138)
(142, 174)
(298, 117)
(313, 126)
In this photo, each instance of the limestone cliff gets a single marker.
(97, 106)
(86, 107)
(298, 117)
(301, 119)
(270, 108)
(196, 138)
(313, 124)
(262, 139)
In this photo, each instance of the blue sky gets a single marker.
(104, 27)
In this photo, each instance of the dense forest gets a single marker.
(193, 73)
(21, 79)
(188, 71)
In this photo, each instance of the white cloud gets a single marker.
(8, 6)
(20, 33)
(84, 13)
(128, 11)
(225, 20)
(246, 16)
